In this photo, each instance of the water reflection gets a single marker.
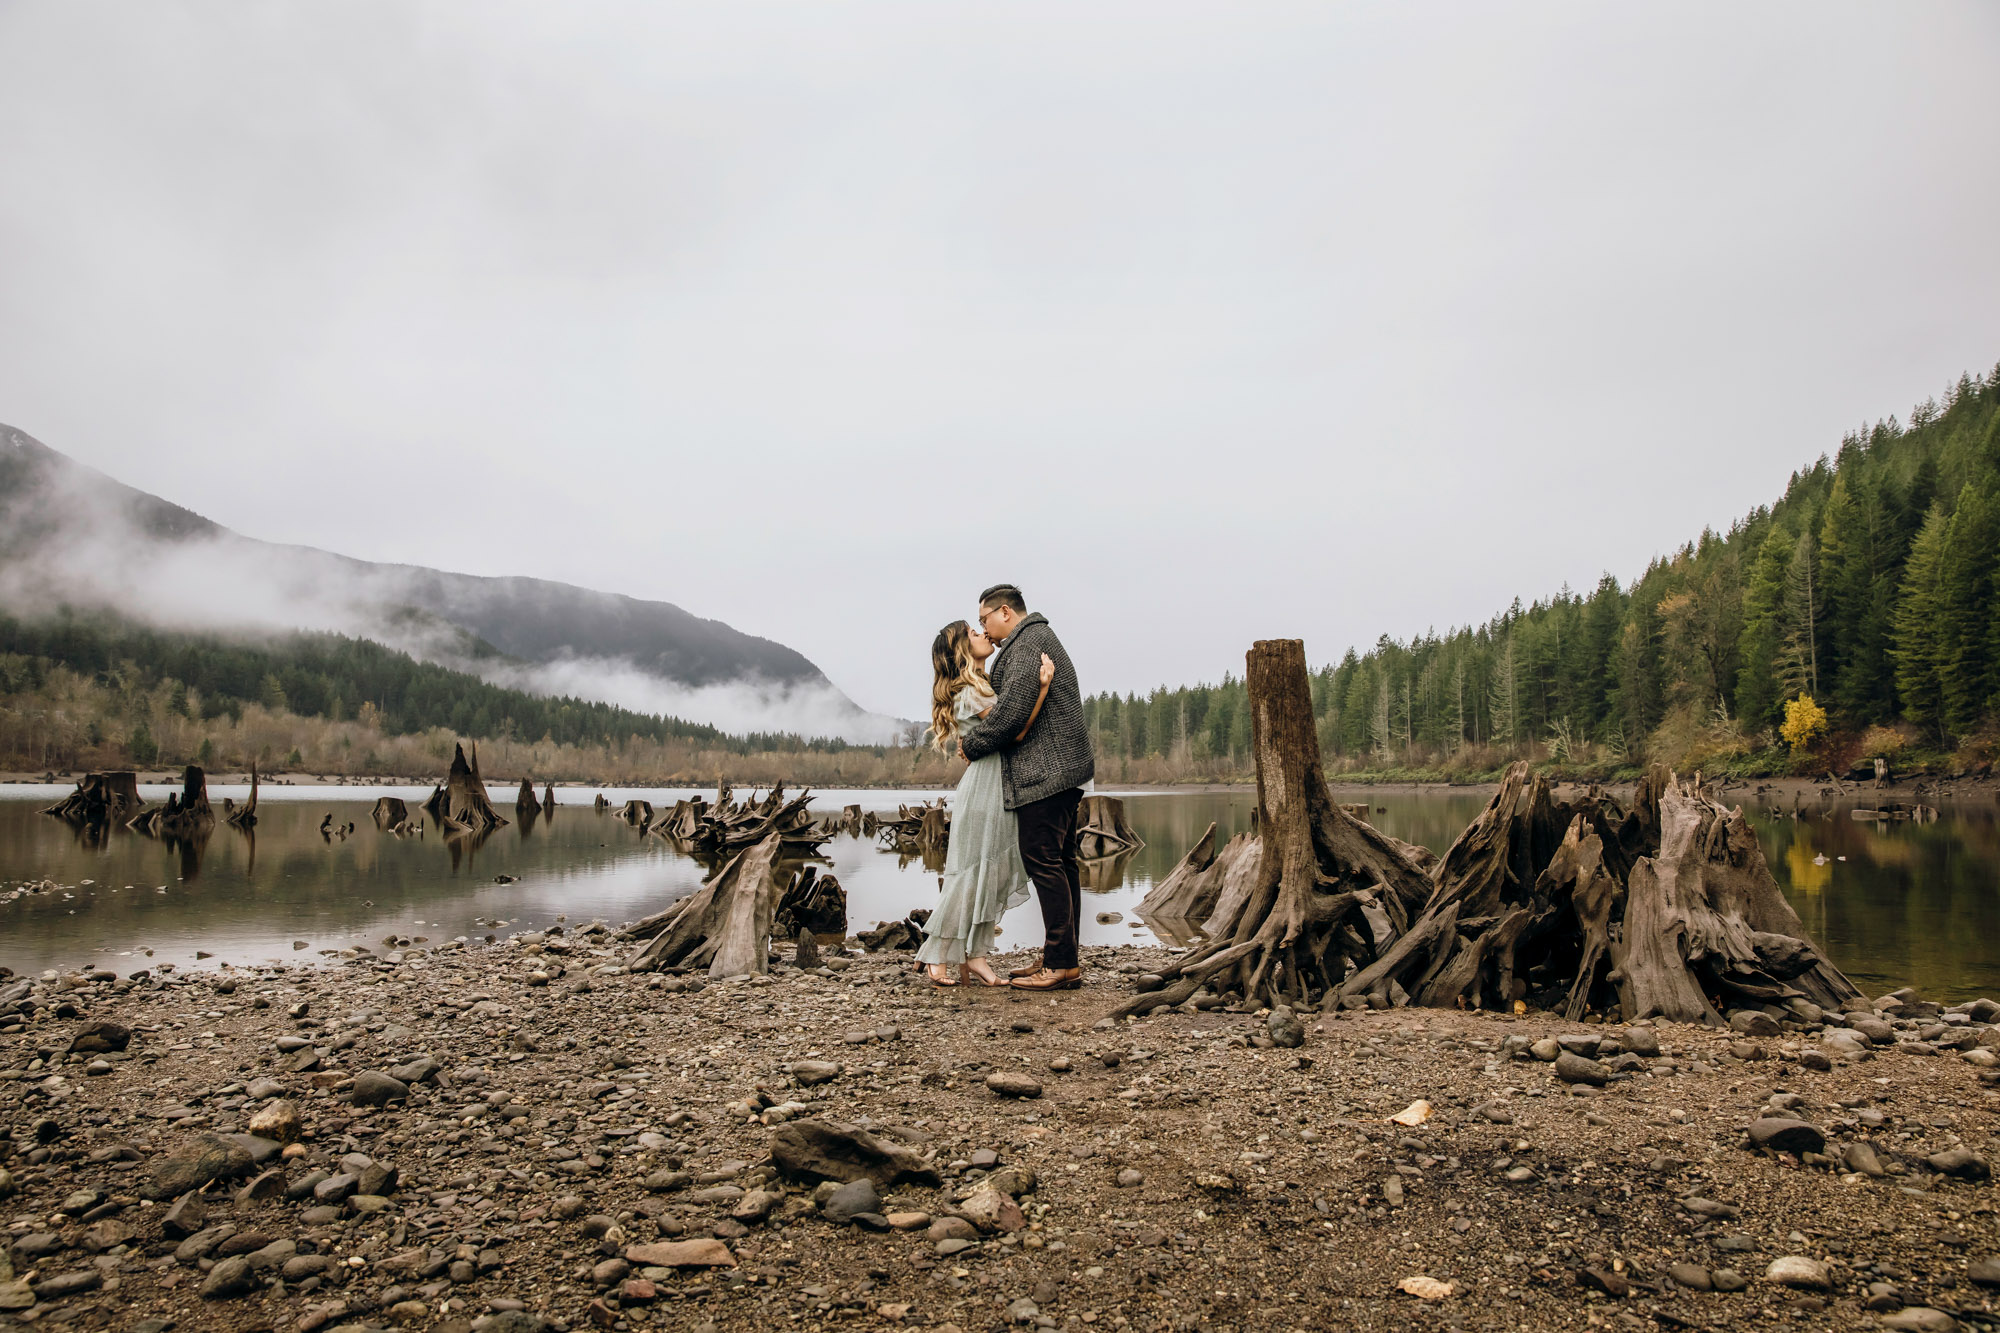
(1894, 903)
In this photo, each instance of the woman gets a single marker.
(983, 874)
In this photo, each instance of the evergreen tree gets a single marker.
(1919, 647)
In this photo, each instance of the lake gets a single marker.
(1895, 904)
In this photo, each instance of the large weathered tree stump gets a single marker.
(1283, 926)
(724, 926)
(186, 814)
(1665, 910)
(461, 806)
(525, 803)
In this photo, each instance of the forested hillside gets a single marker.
(1868, 587)
(95, 690)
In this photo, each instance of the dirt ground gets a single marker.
(1174, 1172)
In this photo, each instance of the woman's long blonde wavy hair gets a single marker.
(953, 669)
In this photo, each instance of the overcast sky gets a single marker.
(1203, 323)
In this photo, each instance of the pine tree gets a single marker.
(1504, 693)
(1918, 650)
(1799, 637)
(1966, 605)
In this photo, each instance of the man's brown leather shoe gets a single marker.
(1069, 978)
(1029, 970)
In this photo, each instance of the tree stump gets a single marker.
(1283, 928)
(1102, 829)
(724, 926)
(246, 818)
(101, 798)
(460, 806)
(525, 803)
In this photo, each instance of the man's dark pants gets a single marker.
(1048, 847)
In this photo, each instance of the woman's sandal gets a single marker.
(936, 974)
(968, 977)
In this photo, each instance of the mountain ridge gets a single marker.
(74, 534)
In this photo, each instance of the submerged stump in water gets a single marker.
(101, 798)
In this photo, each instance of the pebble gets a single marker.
(1130, 1179)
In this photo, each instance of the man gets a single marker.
(1045, 771)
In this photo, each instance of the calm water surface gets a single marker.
(1895, 904)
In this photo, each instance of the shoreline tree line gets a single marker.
(1869, 588)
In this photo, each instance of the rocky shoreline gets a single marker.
(523, 1135)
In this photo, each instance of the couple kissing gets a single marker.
(1005, 700)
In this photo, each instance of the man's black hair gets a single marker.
(1007, 595)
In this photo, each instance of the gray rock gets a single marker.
(508, 1321)
(1985, 1272)
(1130, 1179)
(1754, 1023)
(824, 1150)
(951, 1228)
(1728, 1279)
(372, 1087)
(1861, 1157)
(1710, 1208)
(1692, 1276)
(1285, 1028)
(812, 1073)
(1961, 1162)
(1919, 1319)
(335, 1189)
(1784, 1134)
(851, 1198)
(188, 1215)
(67, 1284)
(266, 1185)
(101, 1037)
(423, 1069)
(1022, 1311)
(229, 1278)
(202, 1244)
(1574, 1068)
(1641, 1039)
(1013, 1083)
(1796, 1270)
(208, 1157)
(1873, 1028)
(1546, 1050)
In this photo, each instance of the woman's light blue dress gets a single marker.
(984, 878)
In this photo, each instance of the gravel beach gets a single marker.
(520, 1134)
